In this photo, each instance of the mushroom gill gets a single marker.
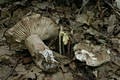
(30, 32)
(34, 24)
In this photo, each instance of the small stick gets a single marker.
(69, 54)
(52, 42)
(12, 70)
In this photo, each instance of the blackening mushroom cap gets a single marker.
(35, 24)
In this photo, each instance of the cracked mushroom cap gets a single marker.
(35, 24)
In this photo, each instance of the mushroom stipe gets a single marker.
(30, 32)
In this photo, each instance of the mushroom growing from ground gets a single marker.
(93, 55)
(29, 33)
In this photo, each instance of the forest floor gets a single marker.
(95, 22)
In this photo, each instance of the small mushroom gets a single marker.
(91, 54)
(29, 33)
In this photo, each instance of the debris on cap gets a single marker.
(93, 55)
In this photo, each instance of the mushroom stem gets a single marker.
(38, 49)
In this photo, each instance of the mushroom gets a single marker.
(91, 54)
(29, 33)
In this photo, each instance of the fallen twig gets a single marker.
(12, 70)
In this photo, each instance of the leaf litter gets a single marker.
(88, 47)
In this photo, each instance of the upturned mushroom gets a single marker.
(29, 33)
(91, 54)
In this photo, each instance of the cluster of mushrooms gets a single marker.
(32, 30)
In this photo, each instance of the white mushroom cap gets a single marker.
(34, 24)
(91, 54)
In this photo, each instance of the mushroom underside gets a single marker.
(29, 32)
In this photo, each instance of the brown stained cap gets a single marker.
(93, 55)
(34, 24)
